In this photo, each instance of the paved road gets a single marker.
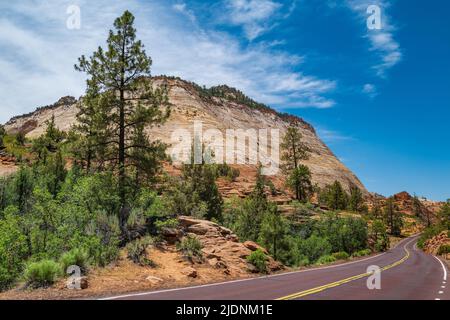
(407, 274)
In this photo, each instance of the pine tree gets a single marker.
(420, 211)
(392, 217)
(2, 135)
(356, 199)
(294, 151)
(300, 181)
(119, 82)
(334, 196)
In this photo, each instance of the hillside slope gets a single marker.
(220, 108)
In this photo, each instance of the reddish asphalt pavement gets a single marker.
(409, 274)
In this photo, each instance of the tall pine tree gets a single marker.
(119, 88)
(294, 151)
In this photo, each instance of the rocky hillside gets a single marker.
(219, 107)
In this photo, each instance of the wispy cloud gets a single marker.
(381, 41)
(331, 136)
(370, 90)
(38, 54)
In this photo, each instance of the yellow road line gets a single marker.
(344, 281)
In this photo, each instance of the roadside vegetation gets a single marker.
(81, 197)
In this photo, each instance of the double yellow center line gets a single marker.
(344, 281)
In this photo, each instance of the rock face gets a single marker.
(432, 245)
(221, 112)
(221, 248)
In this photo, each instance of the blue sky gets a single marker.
(379, 98)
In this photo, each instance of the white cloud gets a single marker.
(253, 15)
(370, 90)
(331, 136)
(38, 54)
(381, 41)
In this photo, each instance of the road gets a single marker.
(406, 274)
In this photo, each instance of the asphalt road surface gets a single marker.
(405, 273)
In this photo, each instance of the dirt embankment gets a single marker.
(224, 259)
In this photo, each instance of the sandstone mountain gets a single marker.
(218, 107)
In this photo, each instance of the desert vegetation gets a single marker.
(81, 197)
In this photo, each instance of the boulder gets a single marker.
(254, 246)
(190, 272)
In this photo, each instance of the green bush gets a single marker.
(326, 260)
(191, 247)
(361, 253)
(314, 247)
(75, 257)
(42, 274)
(258, 259)
(137, 251)
(341, 255)
(444, 249)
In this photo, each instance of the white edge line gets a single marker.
(443, 267)
(251, 279)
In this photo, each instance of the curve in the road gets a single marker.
(407, 273)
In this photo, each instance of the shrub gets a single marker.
(42, 274)
(191, 247)
(444, 249)
(137, 251)
(75, 257)
(258, 259)
(361, 253)
(314, 247)
(326, 260)
(341, 255)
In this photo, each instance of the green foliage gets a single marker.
(314, 247)
(444, 249)
(190, 247)
(326, 260)
(429, 233)
(113, 125)
(299, 180)
(137, 251)
(13, 247)
(197, 194)
(444, 215)
(347, 234)
(299, 176)
(259, 260)
(334, 197)
(20, 138)
(42, 274)
(361, 253)
(274, 229)
(75, 257)
(341, 255)
(356, 201)
(2, 135)
(378, 236)
(393, 218)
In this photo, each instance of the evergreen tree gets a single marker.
(120, 86)
(2, 135)
(294, 151)
(420, 211)
(334, 196)
(274, 229)
(49, 142)
(356, 200)
(393, 218)
(20, 138)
